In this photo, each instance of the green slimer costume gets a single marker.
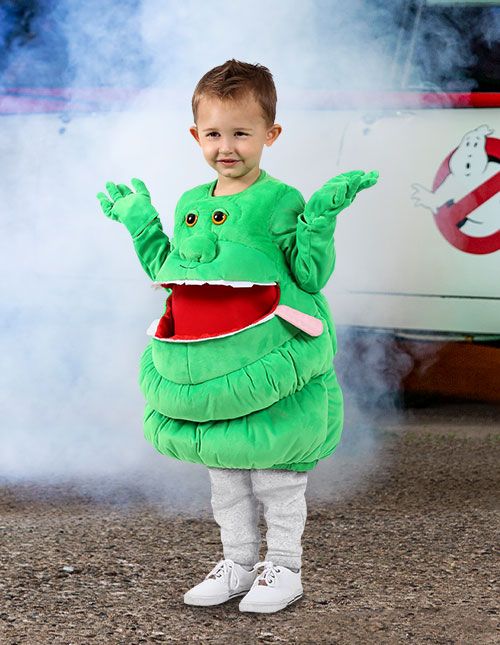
(239, 372)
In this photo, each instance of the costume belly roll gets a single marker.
(239, 372)
(264, 397)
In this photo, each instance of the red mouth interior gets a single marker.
(202, 311)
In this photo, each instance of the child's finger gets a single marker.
(106, 205)
(367, 184)
(352, 173)
(339, 194)
(353, 186)
(372, 175)
(105, 202)
(124, 190)
(140, 187)
(343, 177)
(370, 179)
(113, 190)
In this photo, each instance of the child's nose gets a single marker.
(226, 145)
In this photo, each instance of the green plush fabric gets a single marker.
(266, 396)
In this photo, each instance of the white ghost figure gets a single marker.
(469, 168)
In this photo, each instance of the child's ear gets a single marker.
(272, 134)
(194, 131)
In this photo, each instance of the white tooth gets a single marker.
(228, 283)
(153, 327)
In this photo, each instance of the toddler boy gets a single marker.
(234, 108)
(247, 261)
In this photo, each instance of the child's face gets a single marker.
(232, 135)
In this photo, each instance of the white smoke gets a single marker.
(75, 303)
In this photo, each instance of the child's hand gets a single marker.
(132, 209)
(338, 193)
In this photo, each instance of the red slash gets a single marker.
(451, 213)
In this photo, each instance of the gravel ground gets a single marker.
(409, 556)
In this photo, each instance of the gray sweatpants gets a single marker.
(236, 495)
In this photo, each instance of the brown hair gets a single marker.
(233, 79)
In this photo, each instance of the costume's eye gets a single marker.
(191, 219)
(219, 217)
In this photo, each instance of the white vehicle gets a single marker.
(421, 254)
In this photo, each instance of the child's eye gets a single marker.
(213, 134)
(241, 134)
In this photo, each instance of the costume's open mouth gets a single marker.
(198, 310)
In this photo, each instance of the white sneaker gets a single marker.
(226, 580)
(274, 589)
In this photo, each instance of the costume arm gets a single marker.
(305, 234)
(152, 247)
(136, 212)
(308, 245)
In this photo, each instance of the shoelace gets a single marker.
(226, 569)
(269, 573)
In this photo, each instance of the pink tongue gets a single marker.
(309, 324)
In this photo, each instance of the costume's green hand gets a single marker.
(338, 193)
(132, 209)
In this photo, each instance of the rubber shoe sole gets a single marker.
(268, 608)
(209, 601)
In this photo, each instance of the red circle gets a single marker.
(461, 241)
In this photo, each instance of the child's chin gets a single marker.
(231, 172)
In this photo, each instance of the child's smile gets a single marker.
(228, 162)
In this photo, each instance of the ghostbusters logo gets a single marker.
(465, 195)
